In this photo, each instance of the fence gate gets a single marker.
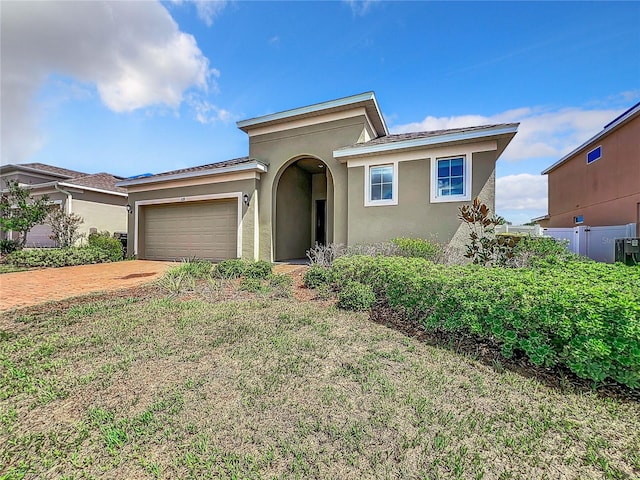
(597, 243)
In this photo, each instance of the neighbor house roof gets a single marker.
(42, 168)
(218, 168)
(366, 100)
(101, 182)
(616, 123)
(422, 139)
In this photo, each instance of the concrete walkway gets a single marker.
(22, 289)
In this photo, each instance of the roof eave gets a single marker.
(254, 165)
(92, 189)
(611, 127)
(16, 166)
(425, 142)
(539, 219)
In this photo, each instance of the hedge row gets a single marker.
(585, 316)
(62, 257)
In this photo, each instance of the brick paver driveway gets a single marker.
(21, 289)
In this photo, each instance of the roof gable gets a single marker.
(364, 100)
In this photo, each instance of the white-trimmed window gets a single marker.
(381, 184)
(451, 179)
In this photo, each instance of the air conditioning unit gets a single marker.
(627, 250)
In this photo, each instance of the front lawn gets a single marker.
(5, 268)
(153, 387)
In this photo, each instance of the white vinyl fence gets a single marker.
(597, 243)
(533, 230)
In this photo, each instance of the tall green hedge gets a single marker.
(585, 316)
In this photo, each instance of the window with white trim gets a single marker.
(381, 184)
(451, 179)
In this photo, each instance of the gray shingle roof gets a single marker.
(101, 181)
(63, 172)
(402, 137)
(208, 166)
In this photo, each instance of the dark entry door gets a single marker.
(321, 222)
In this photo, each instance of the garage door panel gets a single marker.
(204, 230)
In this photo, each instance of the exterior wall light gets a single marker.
(245, 198)
(129, 209)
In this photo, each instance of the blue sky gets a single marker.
(134, 87)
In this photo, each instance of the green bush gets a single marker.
(107, 243)
(317, 275)
(259, 269)
(194, 268)
(8, 246)
(584, 315)
(253, 285)
(418, 248)
(356, 296)
(62, 257)
(540, 251)
(232, 268)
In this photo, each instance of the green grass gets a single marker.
(264, 388)
(6, 268)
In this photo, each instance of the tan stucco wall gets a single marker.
(415, 215)
(244, 186)
(100, 216)
(293, 223)
(605, 192)
(280, 149)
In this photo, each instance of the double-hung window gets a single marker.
(381, 185)
(450, 179)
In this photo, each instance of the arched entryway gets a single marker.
(303, 208)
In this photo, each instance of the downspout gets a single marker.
(68, 205)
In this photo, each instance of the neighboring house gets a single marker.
(95, 197)
(326, 173)
(598, 183)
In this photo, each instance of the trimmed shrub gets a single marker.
(232, 268)
(317, 275)
(106, 242)
(259, 269)
(61, 257)
(356, 296)
(583, 315)
(418, 248)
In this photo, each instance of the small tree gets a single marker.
(485, 247)
(64, 227)
(19, 212)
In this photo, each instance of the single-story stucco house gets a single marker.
(327, 173)
(94, 197)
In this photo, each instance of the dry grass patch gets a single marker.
(261, 388)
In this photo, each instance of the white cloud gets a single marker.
(208, 10)
(207, 112)
(133, 52)
(543, 132)
(521, 192)
(360, 7)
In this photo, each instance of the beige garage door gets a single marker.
(205, 230)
